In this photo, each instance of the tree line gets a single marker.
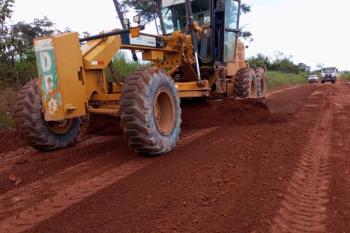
(17, 59)
(280, 62)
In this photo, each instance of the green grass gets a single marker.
(278, 79)
(6, 121)
(124, 66)
(345, 75)
(7, 101)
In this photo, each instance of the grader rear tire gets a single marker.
(246, 85)
(37, 132)
(150, 112)
(262, 82)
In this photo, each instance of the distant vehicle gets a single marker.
(329, 74)
(313, 79)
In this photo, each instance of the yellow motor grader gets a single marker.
(199, 56)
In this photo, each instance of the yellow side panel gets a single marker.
(103, 52)
(152, 55)
(95, 83)
(232, 68)
(193, 89)
(59, 62)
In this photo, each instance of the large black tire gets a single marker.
(246, 85)
(30, 122)
(262, 80)
(148, 97)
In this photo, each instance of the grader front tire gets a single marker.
(150, 112)
(37, 132)
(245, 84)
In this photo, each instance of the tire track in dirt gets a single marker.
(17, 199)
(277, 92)
(304, 207)
(193, 135)
(87, 181)
(10, 158)
(339, 205)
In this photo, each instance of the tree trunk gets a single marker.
(121, 18)
(155, 22)
(161, 20)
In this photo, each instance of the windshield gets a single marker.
(329, 70)
(174, 16)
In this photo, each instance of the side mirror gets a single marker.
(137, 19)
(126, 22)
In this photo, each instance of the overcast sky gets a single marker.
(312, 31)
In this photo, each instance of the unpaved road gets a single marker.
(238, 168)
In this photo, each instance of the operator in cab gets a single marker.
(203, 35)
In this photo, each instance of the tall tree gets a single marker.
(148, 10)
(5, 14)
(120, 13)
(21, 36)
(245, 8)
(260, 60)
(247, 35)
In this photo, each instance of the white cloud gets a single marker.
(312, 31)
(80, 15)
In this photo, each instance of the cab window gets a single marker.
(174, 17)
(231, 23)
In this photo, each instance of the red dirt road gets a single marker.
(239, 167)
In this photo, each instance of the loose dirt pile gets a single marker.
(196, 114)
(227, 112)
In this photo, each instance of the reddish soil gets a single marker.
(240, 166)
(10, 140)
(227, 112)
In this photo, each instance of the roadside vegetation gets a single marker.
(280, 62)
(279, 79)
(281, 69)
(6, 121)
(7, 100)
(345, 75)
(123, 66)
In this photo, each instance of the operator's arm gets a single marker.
(197, 28)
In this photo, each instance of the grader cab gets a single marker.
(200, 56)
